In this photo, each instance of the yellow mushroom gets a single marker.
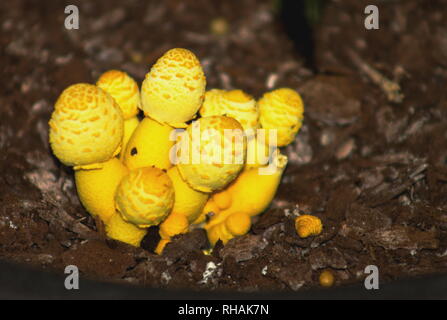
(235, 104)
(215, 153)
(307, 225)
(281, 110)
(188, 206)
(149, 145)
(145, 196)
(96, 188)
(86, 127)
(118, 229)
(173, 90)
(249, 195)
(124, 90)
(326, 279)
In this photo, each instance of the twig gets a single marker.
(392, 89)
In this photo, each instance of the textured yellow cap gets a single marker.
(123, 89)
(236, 104)
(307, 225)
(173, 90)
(281, 109)
(86, 126)
(145, 196)
(216, 153)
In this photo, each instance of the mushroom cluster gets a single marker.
(196, 158)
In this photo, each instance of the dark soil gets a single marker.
(371, 165)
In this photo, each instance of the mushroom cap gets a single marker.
(118, 229)
(215, 155)
(307, 225)
(281, 110)
(235, 103)
(123, 89)
(173, 90)
(86, 126)
(145, 196)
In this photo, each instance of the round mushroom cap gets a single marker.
(235, 103)
(215, 154)
(281, 110)
(86, 126)
(124, 89)
(173, 90)
(145, 196)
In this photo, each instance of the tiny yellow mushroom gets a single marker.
(307, 225)
(215, 153)
(235, 104)
(96, 188)
(149, 145)
(188, 205)
(249, 195)
(326, 279)
(174, 88)
(86, 127)
(145, 196)
(118, 229)
(124, 89)
(281, 110)
(219, 26)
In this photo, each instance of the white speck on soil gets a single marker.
(292, 213)
(165, 277)
(442, 254)
(208, 273)
(264, 270)
(12, 225)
